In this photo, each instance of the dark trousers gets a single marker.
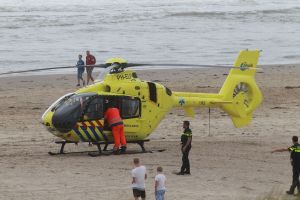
(295, 183)
(185, 168)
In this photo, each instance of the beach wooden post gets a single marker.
(209, 121)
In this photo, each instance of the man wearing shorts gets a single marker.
(139, 175)
(80, 70)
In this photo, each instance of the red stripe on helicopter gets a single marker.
(99, 123)
(84, 124)
(92, 124)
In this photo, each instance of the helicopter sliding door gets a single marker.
(130, 111)
(130, 108)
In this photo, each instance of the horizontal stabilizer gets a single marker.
(241, 122)
(189, 111)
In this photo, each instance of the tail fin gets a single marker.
(241, 89)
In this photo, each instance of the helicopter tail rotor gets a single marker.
(241, 89)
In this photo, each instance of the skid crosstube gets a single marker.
(100, 150)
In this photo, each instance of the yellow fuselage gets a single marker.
(239, 97)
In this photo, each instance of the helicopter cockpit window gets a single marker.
(94, 109)
(70, 111)
(130, 108)
(60, 101)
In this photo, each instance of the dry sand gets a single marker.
(229, 164)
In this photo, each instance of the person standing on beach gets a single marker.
(160, 182)
(80, 70)
(186, 145)
(295, 161)
(90, 61)
(139, 175)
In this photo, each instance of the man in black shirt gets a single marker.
(186, 145)
(295, 161)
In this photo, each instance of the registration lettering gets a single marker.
(124, 76)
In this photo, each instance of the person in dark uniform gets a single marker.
(186, 145)
(295, 161)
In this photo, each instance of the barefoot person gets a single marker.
(139, 175)
(80, 70)
(295, 161)
(90, 61)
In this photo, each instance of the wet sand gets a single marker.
(226, 163)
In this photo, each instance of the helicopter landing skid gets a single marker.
(63, 143)
(109, 153)
(100, 151)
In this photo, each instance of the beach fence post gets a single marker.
(208, 121)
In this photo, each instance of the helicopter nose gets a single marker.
(47, 122)
(46, 118)
(64, 119)
(59, 121)
(64, 126)
(63, 123)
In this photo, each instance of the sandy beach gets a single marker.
(226, 163)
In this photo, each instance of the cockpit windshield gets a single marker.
(70, 110)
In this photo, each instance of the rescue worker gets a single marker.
(186, 145)
(114, 120)
(295, 161)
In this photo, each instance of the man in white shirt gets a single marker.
(160, 182)
(139, 175)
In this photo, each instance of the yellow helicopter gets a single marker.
(78, 117)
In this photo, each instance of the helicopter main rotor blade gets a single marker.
(183, 65)
(126, 66)
(49, 68)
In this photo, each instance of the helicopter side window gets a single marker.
(94, 109)
(130, 108)
(152, 92)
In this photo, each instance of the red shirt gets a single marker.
(90, 60)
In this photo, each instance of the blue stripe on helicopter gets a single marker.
(87, 133)
(101, 131)
(94, 132)
(79, 134)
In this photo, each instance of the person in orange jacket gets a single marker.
(114, 120)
